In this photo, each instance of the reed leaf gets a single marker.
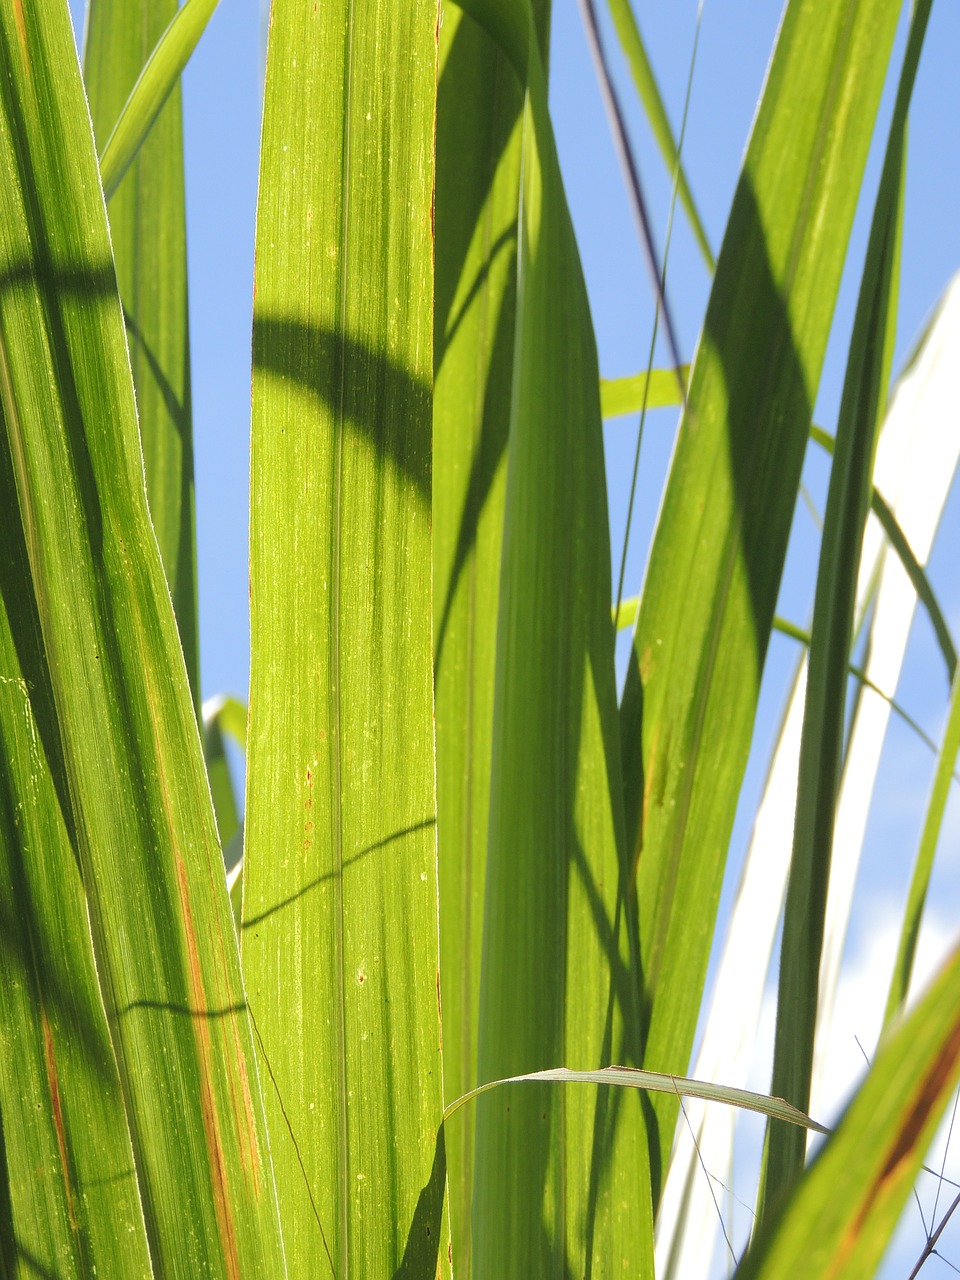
(339, 929)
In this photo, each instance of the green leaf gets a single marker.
(842, 1212)
(215, 713)
(654, 1082)
(148, 232)
(920, 881)
(821, 748)
(914, 569)
(635, 51)
(159, 76)
(657, 390)
(340, 929)
(133, 782)
(715, 566)
(477, 203)
(231, 716)
(70, 1204)
(560, 1177)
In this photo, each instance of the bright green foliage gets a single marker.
(561, 1180)
(920, 882)
(148, 232)
(466, 871)
(71, 1205)
(478, 181)
(340, 882)
(157, 75)
(839, 1219)
(715, 566)
(130, 777)
(821, 751)
(635, 51)
(656, 390)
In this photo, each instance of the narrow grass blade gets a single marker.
(865, 384)
(635, 51)
(658, 390)
(231, 716)
(215, 711)
(70, 1204)
(628, 616)
(340, 934)
(842, 1212)
(159, 76)
(917, 460)
(687, 1222)
(133, 775)
(653, 1082)
(477, 204)
(621, 396)
(714, 572)
(561, 1180)
(148, 232)
(917, 895)
(914, 569)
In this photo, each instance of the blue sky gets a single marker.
(222, 91)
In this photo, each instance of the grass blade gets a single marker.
(148, 232)
(653, 1082)
(478, 191)
(688, 707)
(217, 711)
(635, 52)
(553, 1168)
(659, 389)
(340, 881)
(146, 840)
(70, 1204)
(867, 377)
(847, 1203)
(916, 462)
(904, 551)
(155, 84)
(687, 1223)
(917, 895)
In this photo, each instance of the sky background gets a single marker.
(222, 99)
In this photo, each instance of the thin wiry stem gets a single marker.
(930, 1247)
(632, 174)
(639, 205)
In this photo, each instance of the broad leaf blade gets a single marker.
(148, 232)
(715, 566)
(560, 1175)
(340, 928)
(165, 946)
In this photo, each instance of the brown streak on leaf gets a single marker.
(244, 1122)
(927, 1096)
(931, 1090)
(218, 1173)
(21, 28)
(53, 1083)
